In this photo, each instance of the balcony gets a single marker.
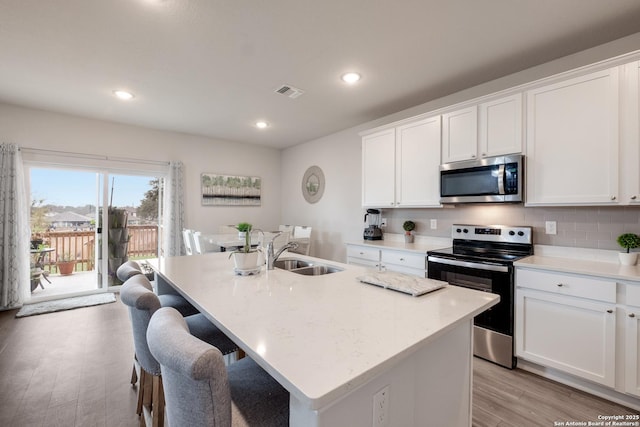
(79, 245)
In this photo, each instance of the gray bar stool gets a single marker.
(201, 391)
(138, 295)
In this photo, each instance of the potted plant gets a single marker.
(66, 264)
(629, 241)
(243, 228)
(245, 258)
(408, 226)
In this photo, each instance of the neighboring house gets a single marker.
(69, 220)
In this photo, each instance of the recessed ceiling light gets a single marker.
(262, 124)
(351, 78)
(123, 94)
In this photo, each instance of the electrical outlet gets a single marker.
(434, 224)
(381, 408)
(550, 227)
(383, 222)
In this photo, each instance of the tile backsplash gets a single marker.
(584, 227)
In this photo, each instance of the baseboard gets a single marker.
(580, 384)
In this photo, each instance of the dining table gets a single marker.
(346, 351)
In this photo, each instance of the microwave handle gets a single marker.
(501, 179)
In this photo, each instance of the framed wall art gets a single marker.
(230, 190)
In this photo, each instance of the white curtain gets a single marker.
(14, 229)
(173, 211)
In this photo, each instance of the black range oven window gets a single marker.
(498, 318)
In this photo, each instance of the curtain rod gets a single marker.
(93, 156)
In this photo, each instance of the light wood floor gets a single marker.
(73, 368)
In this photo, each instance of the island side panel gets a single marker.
(431, 387)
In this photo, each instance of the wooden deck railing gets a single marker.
(79, 245)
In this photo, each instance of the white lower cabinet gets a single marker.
(363, 255)
(631, 323)
(404, 262)
(567, 322)
(388, 259)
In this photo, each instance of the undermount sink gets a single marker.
(306, 268)
(316, 270)
(291, 263)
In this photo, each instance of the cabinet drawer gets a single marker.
(406, 259)
(567, 284)
(633, 294)
(371, 254)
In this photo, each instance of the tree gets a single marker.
(149, 205)
(39, 212)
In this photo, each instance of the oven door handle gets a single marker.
(476, 265)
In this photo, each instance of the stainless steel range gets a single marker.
(482, 258)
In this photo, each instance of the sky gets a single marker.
(75, 188)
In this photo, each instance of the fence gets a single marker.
(79, 245)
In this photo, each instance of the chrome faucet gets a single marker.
(271, 257)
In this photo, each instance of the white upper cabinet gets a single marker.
(572, 141)
(500, 126)
(400, 166)
(491, 128)
(418, 163)
(630, 134)
(378, 169)
(460, 135)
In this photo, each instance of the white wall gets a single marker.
(338, 217)
(45, 130)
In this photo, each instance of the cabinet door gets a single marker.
(378, 169)
(630, 134)
(572, 141)
(500, 126)
(460, 135)
(632, 351)
(570, 334)
(417, 164)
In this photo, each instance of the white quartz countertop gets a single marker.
(417, 247)
(578, 266)
(319, 336)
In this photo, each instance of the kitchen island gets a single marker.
(334, 342)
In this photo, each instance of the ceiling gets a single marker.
(210, 67)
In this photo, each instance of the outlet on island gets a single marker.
(434, 224)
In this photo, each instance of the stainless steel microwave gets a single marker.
(488, 180)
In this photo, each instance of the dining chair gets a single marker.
(201, 391)
(142, 302)
(302, 235)
(197, 247)
(188, 239)
(286, 227)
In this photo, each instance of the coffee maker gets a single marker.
(373, 230)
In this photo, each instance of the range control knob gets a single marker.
(458, 230)
(520, 233)
(512, 233)
(465, 231)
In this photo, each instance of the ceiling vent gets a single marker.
(290, 91)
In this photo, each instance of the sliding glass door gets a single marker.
(86, 223)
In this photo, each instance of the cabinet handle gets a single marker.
(633, 197)
(632, 315)
(361, 253)
(401, 259)
(609, 311)
(484, 154)
(613, 197)
(473, 156)
(559, 285)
